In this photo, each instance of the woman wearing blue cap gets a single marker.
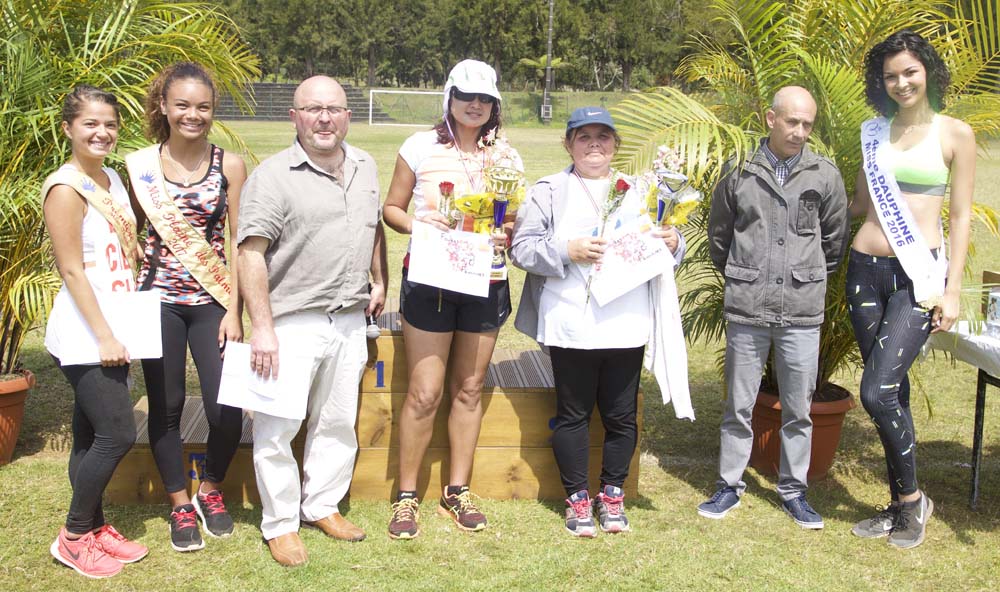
(596, 350)
(445, 330)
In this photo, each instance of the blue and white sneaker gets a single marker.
(580, 516)
(610, 504)
(720, 503)
(802, 513)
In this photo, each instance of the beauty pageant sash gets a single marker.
(121, 220)
(896, 219)
(183, 240)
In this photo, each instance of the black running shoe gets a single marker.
(213, 514)
(184, 534)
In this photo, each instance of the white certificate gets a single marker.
(286, 396)
(633, 257)
(456, 260)
(134, 318)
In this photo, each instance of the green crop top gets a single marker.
(921, 169)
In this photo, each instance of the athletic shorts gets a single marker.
(442, 311)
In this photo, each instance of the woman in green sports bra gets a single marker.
(900, 287)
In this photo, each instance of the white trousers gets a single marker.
(337, 344)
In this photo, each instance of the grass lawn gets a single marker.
(756, 548)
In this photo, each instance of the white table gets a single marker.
(983, 352)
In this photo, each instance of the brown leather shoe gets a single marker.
(338, 527)
(288, 550)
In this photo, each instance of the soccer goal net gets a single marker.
(404, 107)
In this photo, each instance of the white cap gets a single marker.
(471, 76)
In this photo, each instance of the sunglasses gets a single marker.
(469, 97)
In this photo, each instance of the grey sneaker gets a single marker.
(802, 513)
(879, 525)
(610, 505)
(908, 529)
(579, 515)
(719, 504)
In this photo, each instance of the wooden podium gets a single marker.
(514, 458)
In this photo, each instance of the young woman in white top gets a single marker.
(92, 261)
(444, 329)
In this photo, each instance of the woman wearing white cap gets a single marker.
(444, 329)
(597, 351)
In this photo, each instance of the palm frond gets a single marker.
(668, 116)
(46, 48)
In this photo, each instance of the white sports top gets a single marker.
(106, 268)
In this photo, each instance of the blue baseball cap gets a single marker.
(588, 115)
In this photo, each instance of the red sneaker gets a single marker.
(116, 545)
(84, 555)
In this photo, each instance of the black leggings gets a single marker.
(890, 329)
(103, 431)
(609, 378)
(197, 326)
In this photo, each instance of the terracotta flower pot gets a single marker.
(828, 420)
(13, 392)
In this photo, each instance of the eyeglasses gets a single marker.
(315, 110)
(469, 97)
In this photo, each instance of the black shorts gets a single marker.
(442, 311)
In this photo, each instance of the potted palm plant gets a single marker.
(819, 44)
(45, 50)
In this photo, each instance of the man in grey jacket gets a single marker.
(778, 227)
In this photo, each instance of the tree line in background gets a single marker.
(598, 44)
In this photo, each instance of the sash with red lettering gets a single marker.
(183, 240)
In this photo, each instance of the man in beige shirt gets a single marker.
(311, 241)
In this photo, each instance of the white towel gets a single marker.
(666, 353)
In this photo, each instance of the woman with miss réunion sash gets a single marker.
(189, 190)
(93, 234)
(900, 285)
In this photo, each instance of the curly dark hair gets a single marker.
(157, 127)
(938, 77)
(444, 135)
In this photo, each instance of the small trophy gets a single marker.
(501, 181)
(675, 197)
(670, 186)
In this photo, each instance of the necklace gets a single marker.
(471, 156)
(914, 126)
(180, 171)
(593, 202)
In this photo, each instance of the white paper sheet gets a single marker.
(457, 261)
(134, 318)
(633, 257)
(287, 396)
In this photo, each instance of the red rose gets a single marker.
(446, 187)
(621, 186)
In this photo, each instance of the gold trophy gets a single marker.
(502, 182)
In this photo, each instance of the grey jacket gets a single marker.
(777, 244)
(535, 250)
